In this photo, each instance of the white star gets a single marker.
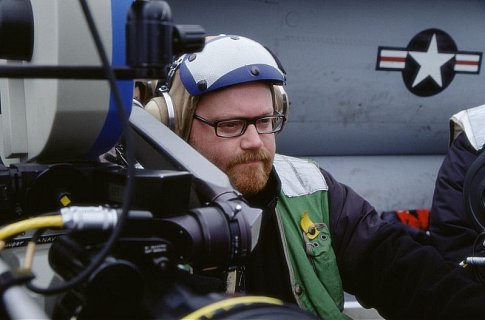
(430, 63)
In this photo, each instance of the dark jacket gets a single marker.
(452, 230)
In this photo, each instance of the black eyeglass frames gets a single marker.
(231, 128)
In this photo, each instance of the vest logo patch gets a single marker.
(308, 227)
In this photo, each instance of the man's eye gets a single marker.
(230, 125)
(265, 121)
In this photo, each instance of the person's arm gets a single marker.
(452, 230)
(386, 269)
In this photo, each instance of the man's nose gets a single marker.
(251, 139)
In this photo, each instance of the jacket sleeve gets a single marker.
(452, 230)
(386, 269)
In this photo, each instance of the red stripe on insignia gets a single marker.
(393, 59)
(470, 63)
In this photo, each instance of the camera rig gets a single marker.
(124, 231)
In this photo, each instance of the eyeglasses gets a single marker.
(236, 127)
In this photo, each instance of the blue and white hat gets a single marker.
(228, 60)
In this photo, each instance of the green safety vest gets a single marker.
(303, 216)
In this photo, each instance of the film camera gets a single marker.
(179, 210)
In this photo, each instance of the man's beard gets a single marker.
(249, 180)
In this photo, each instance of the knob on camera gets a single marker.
(152, 37)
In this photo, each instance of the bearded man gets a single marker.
(318, 237)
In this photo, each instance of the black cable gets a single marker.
(102, 254)
(476, 270)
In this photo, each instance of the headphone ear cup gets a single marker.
(162, 109)
(161, 106)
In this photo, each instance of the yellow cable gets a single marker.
(226, 304)
(28, 224)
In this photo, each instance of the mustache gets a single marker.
(259, 155)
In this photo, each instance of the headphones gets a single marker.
(225, 60)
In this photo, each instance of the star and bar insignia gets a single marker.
(429, 62)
